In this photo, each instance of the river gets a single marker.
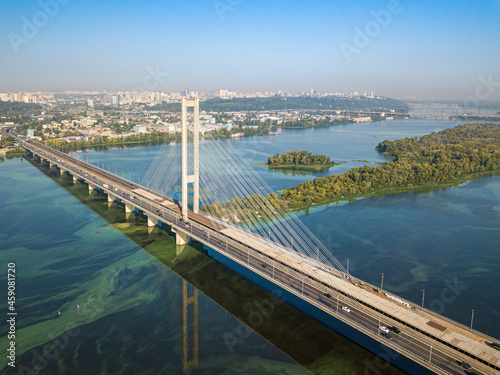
(120, 287)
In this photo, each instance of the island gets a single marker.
(300, 160)
(438, 160)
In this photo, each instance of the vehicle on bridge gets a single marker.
(394, 329)
(465, 365)
(384, 329)
(346, 309)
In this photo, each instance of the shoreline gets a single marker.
(385, 191)
(293, 167)
(402, 189)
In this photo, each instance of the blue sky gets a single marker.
(426, 48)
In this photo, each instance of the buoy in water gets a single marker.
(59, 313)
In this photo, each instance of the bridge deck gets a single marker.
(176, 207)
(433, 325)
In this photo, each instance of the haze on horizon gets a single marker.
(408, 48)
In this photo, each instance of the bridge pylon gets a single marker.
(186, 177)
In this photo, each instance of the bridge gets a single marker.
(417, 115)
(426, 342)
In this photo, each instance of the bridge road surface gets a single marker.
(409, 342)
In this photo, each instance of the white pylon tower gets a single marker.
(195, 177)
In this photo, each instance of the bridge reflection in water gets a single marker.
(186, 302)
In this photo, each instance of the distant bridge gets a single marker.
(330, 295)
(422, 115)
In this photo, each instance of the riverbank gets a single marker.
(429, 162)
(304, 167)
(402, 189)
(293, 167)
(157, 138)
(16, 152)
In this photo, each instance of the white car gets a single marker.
(384, 329)
(346, 309)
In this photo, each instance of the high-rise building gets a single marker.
(115, 100)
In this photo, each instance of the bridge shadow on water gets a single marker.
(314, 346)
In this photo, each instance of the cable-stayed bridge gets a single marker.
(278, 252)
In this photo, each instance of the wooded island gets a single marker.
(432, 161)
(300, 160)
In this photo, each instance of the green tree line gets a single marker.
(298, 158)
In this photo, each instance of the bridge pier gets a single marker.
(152, 221)
(111, 198)
(129, 208)
(181, 238)
(62, 171)
(91, 187)
(75, 179)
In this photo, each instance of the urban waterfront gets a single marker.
(381, 234)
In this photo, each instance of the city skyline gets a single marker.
(394, 48)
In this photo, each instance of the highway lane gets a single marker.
(407, 339)
(359, 316)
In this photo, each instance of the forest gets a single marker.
(494, 118)
(431, 159)
(19, 108)
(298, 158)
(426, 161)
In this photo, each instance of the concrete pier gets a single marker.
(152, 221)
(180, 238)
(129, 208)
